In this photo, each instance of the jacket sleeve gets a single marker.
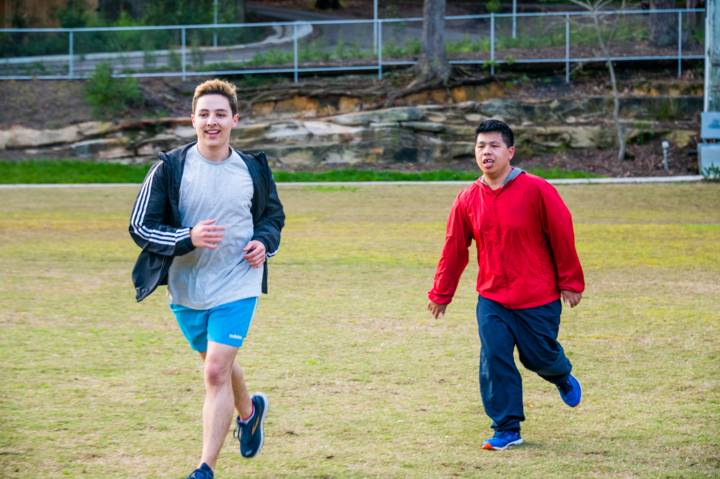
(272, 220)
(454, 259)
(558, 227)
(149, 215)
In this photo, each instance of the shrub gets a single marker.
(494, 6)
(108, 95)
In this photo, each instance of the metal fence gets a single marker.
(321, 46)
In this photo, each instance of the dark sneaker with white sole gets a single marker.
(570, 391)
(501, 440)
(251, 433)
(203, 473)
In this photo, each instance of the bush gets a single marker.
(494, 6)
(108, 95)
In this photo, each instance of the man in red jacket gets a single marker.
(526, 253)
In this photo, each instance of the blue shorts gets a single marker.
(225, 324)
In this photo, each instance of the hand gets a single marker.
(206, 235)
(256, 257)
(571, 297)
(436, 309)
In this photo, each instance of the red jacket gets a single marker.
(525, 241)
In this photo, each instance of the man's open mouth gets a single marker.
(212, 133)
(488, 163)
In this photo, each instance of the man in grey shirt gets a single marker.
(215, 270)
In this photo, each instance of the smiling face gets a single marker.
(493, 155)
(213, 121)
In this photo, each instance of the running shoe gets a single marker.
(203, 473)
(502, 440)
(251, 433)
(570, 391)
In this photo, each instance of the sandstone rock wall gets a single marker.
(428, 134)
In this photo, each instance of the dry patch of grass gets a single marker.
(362, 381)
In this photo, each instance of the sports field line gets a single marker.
(565, 181)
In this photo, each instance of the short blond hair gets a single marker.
(217, 87)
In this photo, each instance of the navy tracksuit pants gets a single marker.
(534, 331)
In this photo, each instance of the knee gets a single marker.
(216, 374)
(541, 363)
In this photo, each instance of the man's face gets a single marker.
(492, 154)
(213, 121)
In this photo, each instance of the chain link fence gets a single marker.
(300, 47)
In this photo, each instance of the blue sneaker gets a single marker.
(203, 473)
(251, 433)
(502, 440)
(571, 392)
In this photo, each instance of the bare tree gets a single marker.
(663, 26)
(433, 66)
(599, 19)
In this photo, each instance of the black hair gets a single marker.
(492, 126)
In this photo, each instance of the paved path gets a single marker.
(569, 181)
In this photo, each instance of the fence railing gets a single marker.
(338, 45)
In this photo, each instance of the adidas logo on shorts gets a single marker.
(235, 336)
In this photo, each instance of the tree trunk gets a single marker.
(327, 4)
(241, 11)
(692, 17)
(433, 65)
(663, 26)
(111, 9)
(611, 69)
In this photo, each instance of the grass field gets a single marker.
(67, 172)
(362, 381)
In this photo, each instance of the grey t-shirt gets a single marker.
(206, 278)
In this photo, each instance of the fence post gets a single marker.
(70, 67)
(295, 56)
(379, 49)
(183, 53)
(375, 25)
(514, 18)
(492, 43)
(567, 48)
(680, 44)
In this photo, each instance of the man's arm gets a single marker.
(454, 259)
(147, 226)
(557, 225)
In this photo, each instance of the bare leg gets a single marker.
(218, 409)
(243, 402)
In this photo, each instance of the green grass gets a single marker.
(362, 381)
(65, 172)
(58, 172)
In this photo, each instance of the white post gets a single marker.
(215, 7)
(492, 43)
(183, 53)
(514, 18)
(295, 51)
(567, 48)
(712, 65)
(379, 50)
(375, 25)
(679, 44)
(70, 66)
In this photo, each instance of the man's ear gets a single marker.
(511, 152)
(192, 118)
(236, 118)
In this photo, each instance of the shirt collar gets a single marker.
(513, 174)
